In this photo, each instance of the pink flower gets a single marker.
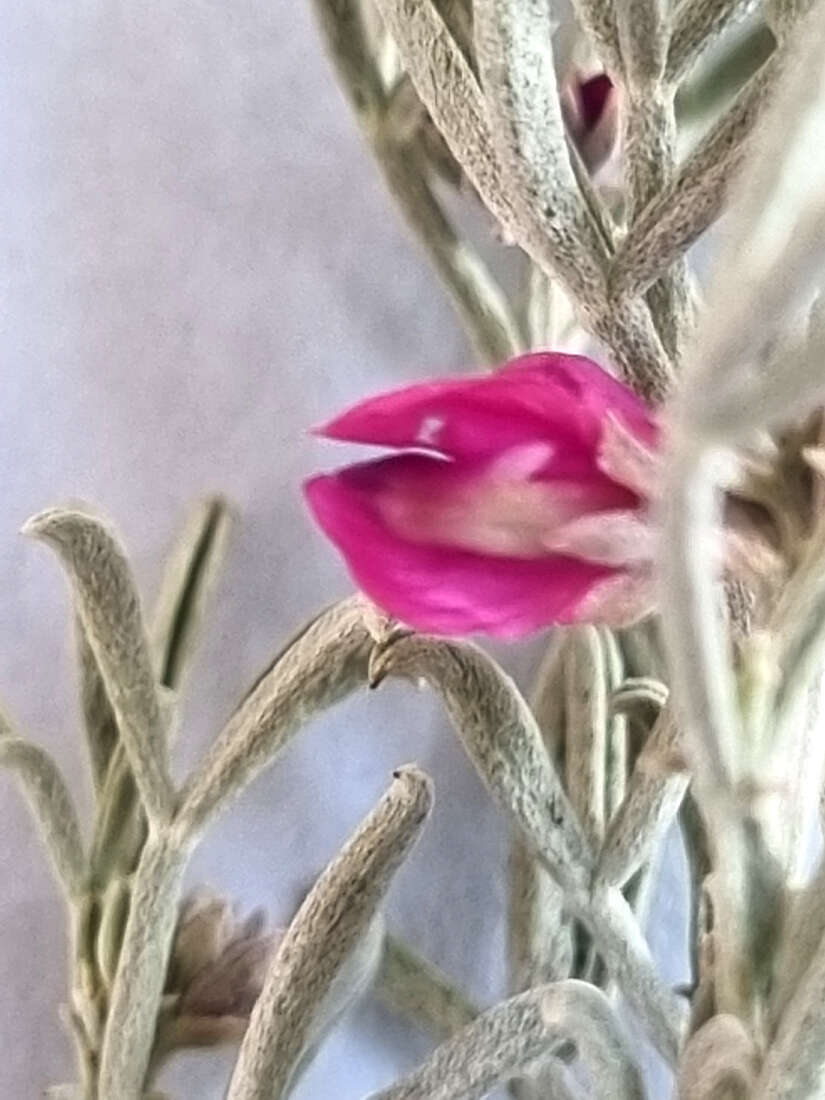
(517, 500)
(590, 106)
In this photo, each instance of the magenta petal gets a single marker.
(469, 418)
(583, 391)
(593, 94)
(440, 589)
(549, 396)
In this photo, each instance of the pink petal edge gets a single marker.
(539, 395)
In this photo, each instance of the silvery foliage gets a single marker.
(705, 718)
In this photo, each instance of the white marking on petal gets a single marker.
(627, 460)
(620, 537)
(490, 516)
(509, 516)
(522, 461)
(505, 511)
(430, 430)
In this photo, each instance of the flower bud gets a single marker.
(590, 108)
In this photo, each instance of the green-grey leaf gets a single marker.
(326, 661)
(109, 608)
(52, 806)
(509, 1039)
(501, 737)
(141, 972)
(411, 986)
(326, 930)
(186, 587)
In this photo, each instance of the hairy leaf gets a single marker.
(327, 928)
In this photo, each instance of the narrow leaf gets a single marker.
(706, 701)
(458, 18)
(547, 697)
(325, 662)
(578, 1012)
(109, 609)
(144, 957)
(617, 935)
(502, 739)
(352, 981)
(644, 34)
(346, 38)
(187, 584)
(554, 225)
(694, 199)
(598, 19)
(617, 736)
(539, 932)
(586, 739)
(120, 827)
(327, 928)
(696, 25)
(777, 219)
(52, 806)
(120, 824)
(406, 166)
(654, 795)
(509, 1039)
(412, 987)
(513, 43)
(449, 90)
(113, 917)
(720, 1060)
(479, 301)
(99, 720)
(794, 1068)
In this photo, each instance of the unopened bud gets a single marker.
(590, 107)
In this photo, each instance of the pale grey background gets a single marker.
(198, 261)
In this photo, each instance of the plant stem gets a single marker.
(413, 987)
(708, 93)
(130, 1026)
(480, 303)
(482, 307)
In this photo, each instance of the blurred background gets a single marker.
(198, 262)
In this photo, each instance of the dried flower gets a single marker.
(518, 499)
(216, 973)
(590, 107)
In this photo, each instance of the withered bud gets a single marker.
(216, 972)
(205, 925)
(752, 550)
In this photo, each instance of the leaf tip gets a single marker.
(52, 522)
(416, 785)
(45, 525)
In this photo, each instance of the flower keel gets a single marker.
(497, 516)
